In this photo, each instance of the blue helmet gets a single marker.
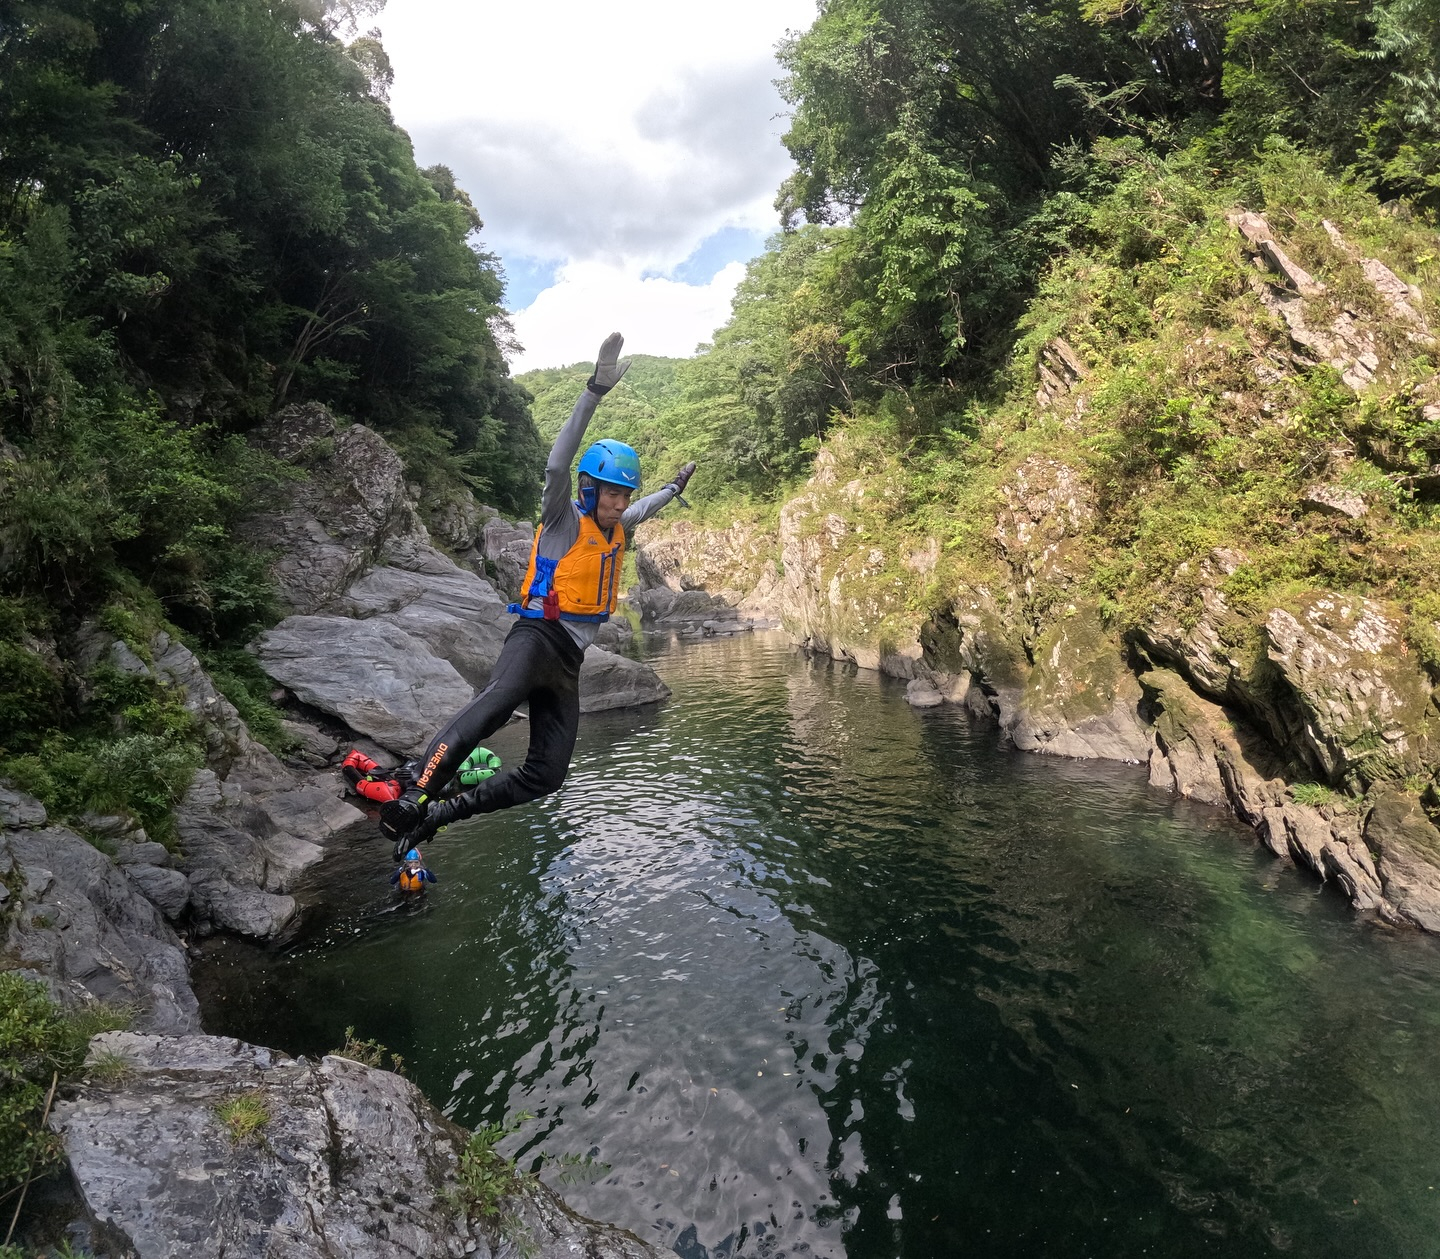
(612, 462)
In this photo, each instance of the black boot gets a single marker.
(401, 816)
(439, 815)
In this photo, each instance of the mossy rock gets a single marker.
(1079, 670)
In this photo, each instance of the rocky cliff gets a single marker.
(1306, 705)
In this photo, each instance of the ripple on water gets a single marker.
(804, 971)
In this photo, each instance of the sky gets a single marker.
(624, 156)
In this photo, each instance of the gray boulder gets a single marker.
(457, 615)
(91, 933)
(454, 518)
(373, 675)
(247, 819)
(653, 603)
(221, 905)
(330, 527)
(611, 681)
(349, 1161)
(506, 548)
(615, 635)
(167, 890)
(923, 693)
(19, 811)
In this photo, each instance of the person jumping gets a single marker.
(570, 589)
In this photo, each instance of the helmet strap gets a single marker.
(589, 494)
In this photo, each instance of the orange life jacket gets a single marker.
(582, 585)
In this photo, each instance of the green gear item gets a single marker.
(478, 766)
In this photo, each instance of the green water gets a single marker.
(806, 972)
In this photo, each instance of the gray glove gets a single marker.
(608, 369)
(682, 478)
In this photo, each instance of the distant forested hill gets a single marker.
(647, 391)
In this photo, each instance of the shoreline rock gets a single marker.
(346, 1160)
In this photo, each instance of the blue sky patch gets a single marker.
(526, 278)
(717, 251)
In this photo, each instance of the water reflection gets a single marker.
(816, 974)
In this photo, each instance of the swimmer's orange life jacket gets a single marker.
(582, 585)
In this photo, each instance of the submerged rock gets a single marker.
(343, 1159)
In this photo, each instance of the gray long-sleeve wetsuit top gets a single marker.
(559, 514)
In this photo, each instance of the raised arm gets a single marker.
(555, 501)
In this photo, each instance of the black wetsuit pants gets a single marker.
(539, 664)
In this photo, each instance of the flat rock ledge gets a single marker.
(348, 1161)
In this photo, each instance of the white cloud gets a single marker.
(567, 322)
(619, 135)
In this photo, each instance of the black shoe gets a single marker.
(401, 816)
(437, 816)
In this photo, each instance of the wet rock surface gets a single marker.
(347, 1160)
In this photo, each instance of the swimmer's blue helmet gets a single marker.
(609, 461)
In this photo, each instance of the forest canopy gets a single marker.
(948, 152)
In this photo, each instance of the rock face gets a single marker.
(505, 548)
(349, 1161)
(1222, 707)
(247, 826)
(88, 928)
(330, 527)
(1081, 699)
(1408, 850)
(730, 563)
(689, 612)
(1047, 505)
(456, 615)
(706, 582)
(372, 675)
(1363, 704)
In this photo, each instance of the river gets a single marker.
(802, 971)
